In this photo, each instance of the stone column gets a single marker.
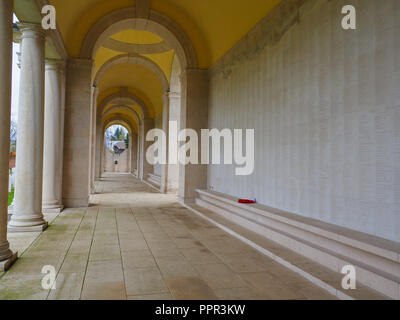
(7, 257)
(27, 215)
(139, 150)
(93, 140)
(102, 154)
(61, 147)
(174, 116)
(11, 206)
(134, 148)
(194, 101)
(145, 167)
(99, 147)
(78, 99)
(129, 159)
(165, 127)
(52, 155)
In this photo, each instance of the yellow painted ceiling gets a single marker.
(136, 36)
(133, 107)
(123, 114)
(163, 60)
(213, 26)
(104, 94)
(123, 117)
(136, 77)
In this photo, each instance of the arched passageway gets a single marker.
(319, 107)
(117, 149)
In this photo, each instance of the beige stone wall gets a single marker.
(325, 106)
(123, 165)
(108, 160)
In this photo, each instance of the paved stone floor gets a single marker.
(133, 243)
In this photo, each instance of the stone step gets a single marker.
(154, 180)
(328, 246)
(317, 274)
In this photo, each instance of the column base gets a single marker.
(39, 228)
(53, 210)
(6, 264)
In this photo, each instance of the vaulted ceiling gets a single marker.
(213, 27)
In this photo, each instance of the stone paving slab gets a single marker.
(133, 243)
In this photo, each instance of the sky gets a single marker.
(15, 80)
(15, 84)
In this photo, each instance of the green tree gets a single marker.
(117, 133)
(127, 140)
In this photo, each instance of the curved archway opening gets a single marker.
(156, 23)
(161, 63)
(117, 149)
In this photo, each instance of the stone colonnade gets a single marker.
(57, 161)
(6, 35)
(40, 131)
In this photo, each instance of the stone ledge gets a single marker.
(385, 248)
(154, 180)
(311, 271)
(375, 259)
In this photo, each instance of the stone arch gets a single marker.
(130, 126)
(175, 82)
(124, 97)
(156, 23)
(135, 114)
(133, 59)
(118, 121)
(105, 156)
(192, 100)
(126, 47)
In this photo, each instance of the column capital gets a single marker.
(31, 30)
(55, 64)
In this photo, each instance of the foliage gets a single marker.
(116, 133)
(119, 134)
(127, 140)
(10, 197)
